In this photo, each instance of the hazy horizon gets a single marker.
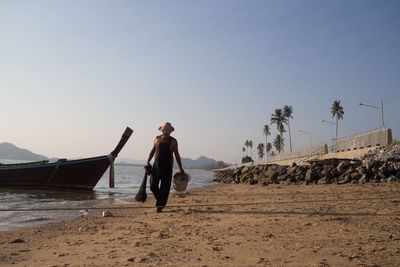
(74, 74)
(119, 159)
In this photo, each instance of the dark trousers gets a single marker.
(160, 192)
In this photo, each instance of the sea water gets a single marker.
(127, 182)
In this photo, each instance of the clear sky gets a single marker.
(73, 74)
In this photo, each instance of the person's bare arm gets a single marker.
(177, 156)
(152, 152)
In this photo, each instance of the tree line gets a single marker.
(281, 119)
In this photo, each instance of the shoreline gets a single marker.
(127, 184)
(226, 225)
(76, 212)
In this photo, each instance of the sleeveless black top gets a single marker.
(163, 159)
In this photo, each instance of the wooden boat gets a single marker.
(82, 174)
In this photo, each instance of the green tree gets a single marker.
(287, 112)
(269, 148)
(243, 151)
(260, 150)
(279, 143)
(337, 112)
(279, 119)
(247, 144)
(266, 132)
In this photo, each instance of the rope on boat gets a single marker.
(54, 172)
(200, 205)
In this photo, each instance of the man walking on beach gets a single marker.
(164, 147)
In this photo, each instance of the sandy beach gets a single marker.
(226, 225)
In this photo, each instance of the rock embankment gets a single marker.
(381, 165)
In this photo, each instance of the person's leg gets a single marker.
(154, 185)
(164, 189)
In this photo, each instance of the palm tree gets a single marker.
(251, 148)
(260, 151)
(268, 148)
(337, 111)
(266, 132)
(279, 143)
(279, 119)
(287, 112)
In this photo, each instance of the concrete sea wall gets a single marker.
(379, 137)
(298, 154)
(374, 138)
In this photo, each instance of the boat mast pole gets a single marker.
(125, 137)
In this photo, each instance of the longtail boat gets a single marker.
(81, 174)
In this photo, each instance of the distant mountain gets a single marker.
(11, 151)
(125, 161)
(197, 163)
(216, 165)
(188, 163)
(202, 163)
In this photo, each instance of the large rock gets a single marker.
(228, 180)
(271, 174)
(284, 177)
(361, 170)
(364, 179)
(264, 181)
(292, 170)
(344, 179)
(393, 179)
(355, 176)
(311, 175)
(258, 178)
(246, 176)
(371, 164)
(350, 170)
(396, 166)
(323, 180)
(332, 173)
(342, 167)
(383, 170)
(386, 154)
(237, 171)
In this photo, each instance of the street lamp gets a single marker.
(301, 131)
(329, 122)
(377, 108)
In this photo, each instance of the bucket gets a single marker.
(181, 181)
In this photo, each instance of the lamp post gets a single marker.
(377, 108)
(329, 122)
(305, 132)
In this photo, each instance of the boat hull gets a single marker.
(81, 174)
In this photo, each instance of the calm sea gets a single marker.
(127, 182)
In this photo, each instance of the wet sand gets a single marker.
(226, 225)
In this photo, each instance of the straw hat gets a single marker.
(166, 127)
